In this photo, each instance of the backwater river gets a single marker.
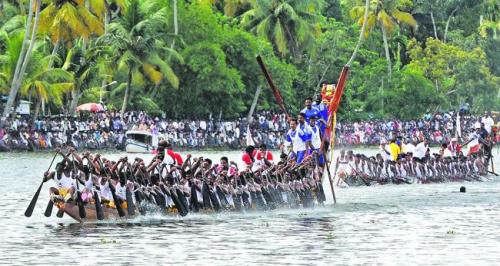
(429, 224)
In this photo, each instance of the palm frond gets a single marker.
(404, 17)
(98, 8)
(262, 29)
(94, 25)
(279, 38)
(14, 23)
(247, 18)
(386, 21)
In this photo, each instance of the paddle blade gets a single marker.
(60, 213)
(48, 210)
(31, 207)
(81, 208)
(130, 203)
(121, 213)
(98, 207)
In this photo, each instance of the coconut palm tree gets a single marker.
(287, 24)
(491, 10)
(44, 82)
(68, 20)
(231, 8)
(137, 50)
(9, 57)
(48, 84)
(23, 59)
(387, 16)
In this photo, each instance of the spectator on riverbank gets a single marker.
(107, 130)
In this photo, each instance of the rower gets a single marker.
(421, 149)
(248, 156)
(316, 137)
(167, 154)
(223, 165)
(66, 186)
(454, 147)
(395, 149)
(299, 137)
(263, 157)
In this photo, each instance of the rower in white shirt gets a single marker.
(316, 138)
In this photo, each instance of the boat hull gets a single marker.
(72, 211)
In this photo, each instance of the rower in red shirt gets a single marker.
(170, 156)
(454, 147)
(248, 156)
(263, 156)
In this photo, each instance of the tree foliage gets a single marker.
(419, 56)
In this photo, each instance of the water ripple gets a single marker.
(380, 225)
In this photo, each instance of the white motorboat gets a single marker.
(139, 142)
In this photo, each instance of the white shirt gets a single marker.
(420, 150)
(408, 148)
(315, 137)
(488, 123)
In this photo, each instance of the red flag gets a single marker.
(334, 104)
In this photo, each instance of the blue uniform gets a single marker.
(308, 113)
(298, 138)
(323, 114)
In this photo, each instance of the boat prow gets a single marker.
(72, 211)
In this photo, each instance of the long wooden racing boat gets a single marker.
(110, 214)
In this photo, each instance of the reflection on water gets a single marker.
(406, 224)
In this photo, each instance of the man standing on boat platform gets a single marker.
(309, 111)
(167, 154)
(299, 137)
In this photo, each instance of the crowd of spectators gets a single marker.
(437, 129)
(106, 130)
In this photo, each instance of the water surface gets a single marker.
(429, 224)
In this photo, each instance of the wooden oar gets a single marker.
(327, 166)
(121, 213)
(276, 92)
(130, 202)
(48, 210)
(31, 206)
(128, 193)
(492, 166)
(60, 213)
(79, 201)
(98, 207)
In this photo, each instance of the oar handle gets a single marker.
(31, 206)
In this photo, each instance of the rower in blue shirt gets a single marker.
(309, 110)
(322, 113)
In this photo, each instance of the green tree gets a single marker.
(24, 54)
(288, 24)
(137, 50)
(68, 20)
(458, 75)
(386, 14)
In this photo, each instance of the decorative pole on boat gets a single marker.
(335, 102)
(276, 92)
